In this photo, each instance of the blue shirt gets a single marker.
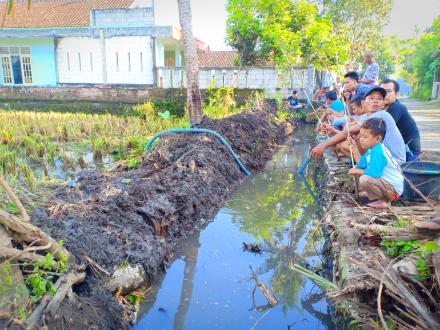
(337, 106)
(378, 163)
(292, 101)
(361, 89)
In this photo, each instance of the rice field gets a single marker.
(34, 143)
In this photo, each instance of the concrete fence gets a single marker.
(269, 79)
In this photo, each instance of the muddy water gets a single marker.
(209, 286)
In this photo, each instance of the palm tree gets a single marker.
(194, 99)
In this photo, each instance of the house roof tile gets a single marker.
(217, 59)
(223, 59)
(54, 13)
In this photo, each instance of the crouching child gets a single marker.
(380, 181)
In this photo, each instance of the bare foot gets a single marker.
(379, 205)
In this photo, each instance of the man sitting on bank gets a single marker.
(352, 88)
(374, 104)
(293, 102)
(404, 121)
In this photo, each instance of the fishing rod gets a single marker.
(356, 178)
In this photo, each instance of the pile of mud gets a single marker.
(138, 216)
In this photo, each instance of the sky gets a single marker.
(209, 18)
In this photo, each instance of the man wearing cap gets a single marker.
(371, 74)
(374, 103)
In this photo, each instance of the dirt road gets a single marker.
(427, 115)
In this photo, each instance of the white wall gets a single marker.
(68, 48)
(139, 70)
(269, 79)
(121, 73)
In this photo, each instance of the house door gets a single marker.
(16, 69)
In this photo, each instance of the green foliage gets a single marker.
(221, 103)
(422, 63)
(145, 110)
(175, 107)
(40, 280)
(422, 264)
(402, 223)
(399, 248)
(298, 115)
(12, 208)
(286, 32)
(39, 284)
(132, 163)
(362, 20)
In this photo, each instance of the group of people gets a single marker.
(366, 122)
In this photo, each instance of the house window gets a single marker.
(27, 69)
(129, 62)
(68, 61)
(16, 65)
(6, 66)
(79, 61)
(142, 62)
(91, 61)
(117, 61)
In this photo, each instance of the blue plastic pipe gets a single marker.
(303, 166)
(201, 130)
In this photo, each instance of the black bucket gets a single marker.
(425, 176)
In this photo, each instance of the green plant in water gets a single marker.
(99, 146)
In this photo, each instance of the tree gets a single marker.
(422, 62)
(285, 32)
(362, 20)
(194, 99)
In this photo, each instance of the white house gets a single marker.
(58, 42)
(117, 43)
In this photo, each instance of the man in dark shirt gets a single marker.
(404, 121)
(293, 101)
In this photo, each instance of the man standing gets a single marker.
(404, 121)
(371, 74)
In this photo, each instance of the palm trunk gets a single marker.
(191, 64)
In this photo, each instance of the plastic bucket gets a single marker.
(425, 176)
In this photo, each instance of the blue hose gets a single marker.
(303, 166)
(201, 130)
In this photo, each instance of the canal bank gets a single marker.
(386, 271)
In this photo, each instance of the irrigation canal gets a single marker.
(209, 285)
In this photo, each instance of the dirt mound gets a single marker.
(138, 216)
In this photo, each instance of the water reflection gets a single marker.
(209, 285)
